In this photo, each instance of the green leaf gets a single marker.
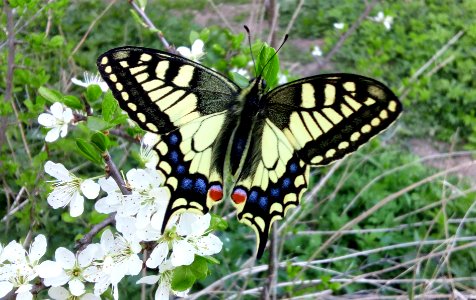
(239, 79)
(72, 101)
(89, 151)
(218, 223)
(93, 92)
(193, 36)
(50, 95)
(182, 278)
(268, 66)
(97, 124)
(199, 267)
(109, 107)
(100, 140)
(56, 41)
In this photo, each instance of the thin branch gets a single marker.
(90, 28)
(116, 175)
(221, 16)
(294, 17)
(403, 91)
(269, 289)
(151, 26)
(347, 34)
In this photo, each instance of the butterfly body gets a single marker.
(253, 147)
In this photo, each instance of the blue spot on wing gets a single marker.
(174, 156)
(253, 196)
(173, 139)
(286, 183)
(187, 183)
(274, 192)
(201, 186)
(180, 169)
(293, 168)
(263, 202)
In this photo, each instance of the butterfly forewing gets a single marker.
(326, 117)
(184, 102)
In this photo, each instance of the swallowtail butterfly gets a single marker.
(255, 147)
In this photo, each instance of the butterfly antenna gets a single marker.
(271, 58)
(249, 43)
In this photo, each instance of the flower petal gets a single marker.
(183, 253)
(58, 171)
(197, 47)
(76, 207)
(5, 288)
(163, 291)
(58, 198)
(38, 248)
(184, 51)
(86, 256)
(76, 287)
(47, 120)
(157, 256)
(49, 269)
(65, 257)
(90, 189)
(208, 245)
(57, 110)
(58, 293)
(151, 279)
(52, 135)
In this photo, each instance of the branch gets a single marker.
(116, 175)
(151, 26)
(347, 34)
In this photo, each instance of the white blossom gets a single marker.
(60, 293)
(57, 120)
(195, 53)
(23, 267)
(73, 267)
(69, 189)
(387, 21)
(339, 26)
(148, 155)
(148, 200)
(90, 79)
(316, 51)
(282, 78)
(188, 238)
(114, 199)
(119, 258)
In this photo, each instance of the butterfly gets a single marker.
(253, 146)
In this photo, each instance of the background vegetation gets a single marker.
(395, 219)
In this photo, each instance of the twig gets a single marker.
(116, 175)
(91, 26)
(221, 16)
(273, 22)
(9, 78)
(403, 91)
(269, 289)
(151, 26)
(347, 34)
(294, 17)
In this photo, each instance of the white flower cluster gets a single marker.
(139, 216)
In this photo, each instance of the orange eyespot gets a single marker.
(239, 196)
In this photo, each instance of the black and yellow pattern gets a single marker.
(219, 141)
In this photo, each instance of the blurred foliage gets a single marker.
(439, 103)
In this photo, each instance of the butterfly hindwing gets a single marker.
(326, 117)
(274, 179)
(185, 103)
